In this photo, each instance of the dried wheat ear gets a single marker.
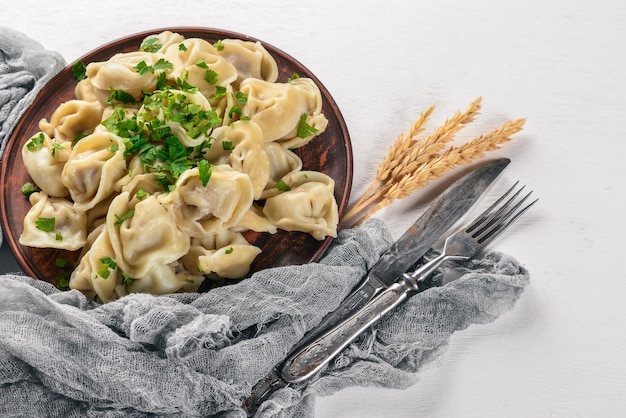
(414, 160)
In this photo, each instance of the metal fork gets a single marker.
(469, 241)
(462, 245)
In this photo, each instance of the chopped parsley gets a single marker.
(148, 134)
(228, 145)
(107, 265)
(141, 194)
(63, 280)
(234, 110)
(219, 45)
(126, 279)
(151, 45)
(29, 188)
(201, 63)
(55, 146)
(282, 186)
(229, 250)
(162, 64)
(211, 76)
(79, 70)
(304, 129)
(36, 143)
(62, 262)
(119, 219)
(58, 236)
(182, 47)
(120, 96)
(204, 171)
(45, 224)
(241, 97)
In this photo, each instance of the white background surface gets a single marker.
(561, 351)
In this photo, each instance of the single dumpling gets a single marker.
(201, 209)
(242, 146)
(97, 274)
(143, 234)
(73, 119)
(198, 63)
(96, 162)
(250, 59)
(53, 222)
(44, 159)
(226, 254)
(120, 72)
(283, 109)
(309, 206)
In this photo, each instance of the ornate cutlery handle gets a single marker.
(310, 359)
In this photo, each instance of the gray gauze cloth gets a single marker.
(200, 354)
(25, 66)
(62, 355)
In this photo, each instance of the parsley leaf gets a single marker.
(304, 129)
(120, 219)
(107, 263)
(141, 194)
(120, 96)
(282, 186)
(62, 262)
(79, 70)
(36, 143)
(151, 45)
(45, 224)
(55, 146)
(219, 45)
(211, 76)
(204, 170)
(29, 188)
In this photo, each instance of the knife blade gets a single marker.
(442, 213)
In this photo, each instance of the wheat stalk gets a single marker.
(411, 163)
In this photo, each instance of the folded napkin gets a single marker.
(198, 355)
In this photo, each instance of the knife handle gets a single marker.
(309, 360)
(351, 304)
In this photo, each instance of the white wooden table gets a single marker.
(560, 64)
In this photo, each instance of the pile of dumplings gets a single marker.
(136, 232)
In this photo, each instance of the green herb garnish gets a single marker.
(107, 265)
(36, 143)
(45, 224)
(120, 219)
(151, 45)
(282, 186)
(29, 188)
(204, 171)
(304, 129)
(79, 70)
(141, 194)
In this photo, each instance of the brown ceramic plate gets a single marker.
(330, 153)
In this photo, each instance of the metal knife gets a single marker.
(442, 213)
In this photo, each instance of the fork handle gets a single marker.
(310, 359)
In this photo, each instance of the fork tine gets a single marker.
(485, 216)
(504, 221)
